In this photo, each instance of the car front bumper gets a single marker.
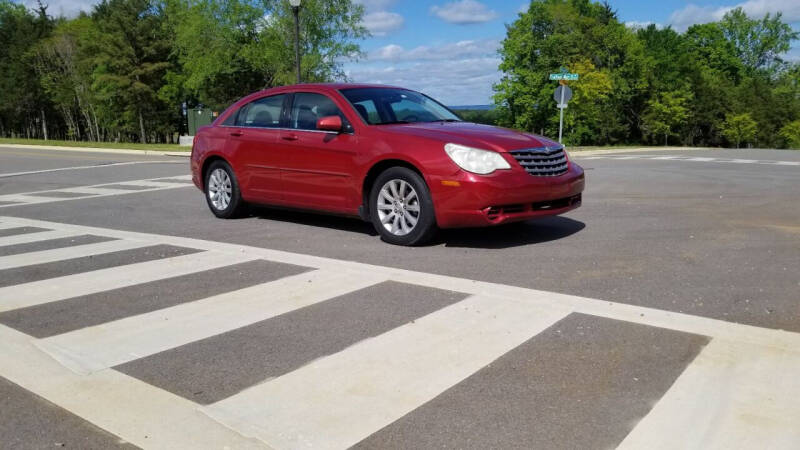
(469, 200)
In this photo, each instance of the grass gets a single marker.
(84, 144)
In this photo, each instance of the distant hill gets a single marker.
(474, 107)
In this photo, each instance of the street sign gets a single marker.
(564, 76)
(567, 95)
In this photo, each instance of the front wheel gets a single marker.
(401, 209)
(222, 191)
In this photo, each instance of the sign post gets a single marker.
(562, 95)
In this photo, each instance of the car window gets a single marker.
(409, 111)
(381, 106)
(307, 108)
(262, 113)
(367, 110)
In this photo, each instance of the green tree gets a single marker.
(24, 107)
(758, 43)
(665, 113)
(791, 132)
(229, 48)
(130, 51)
(571, 33)
(739, 128)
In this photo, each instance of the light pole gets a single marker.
(296, 10)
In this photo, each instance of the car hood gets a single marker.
(473, 135)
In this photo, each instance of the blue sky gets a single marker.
(448, 48)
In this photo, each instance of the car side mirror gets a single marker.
(330, 123)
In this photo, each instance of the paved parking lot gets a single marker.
(664, 313)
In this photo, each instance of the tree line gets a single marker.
(716, 84)
(123, 71)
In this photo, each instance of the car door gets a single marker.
(253, 144)
(318, 168)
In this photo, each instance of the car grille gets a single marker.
(542, 162)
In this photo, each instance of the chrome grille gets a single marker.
(543, 161)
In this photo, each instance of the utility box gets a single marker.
(198, 117)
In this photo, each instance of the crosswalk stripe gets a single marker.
(35, 237)
(135, 411)
(89, 190)
(54, 289)
(733, 396)
(59, 254)
(147, 183)
(27, 199)
(700, 159)
(379, 380)
(110, 344)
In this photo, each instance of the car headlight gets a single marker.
(475, 160)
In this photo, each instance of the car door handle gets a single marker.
(290, 137)
(237, 133)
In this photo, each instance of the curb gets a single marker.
(99, 150)
(579, 152)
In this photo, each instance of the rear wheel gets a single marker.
(401, 209)
(222, 191)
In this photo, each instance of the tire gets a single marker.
(222, 191)
(401, 209)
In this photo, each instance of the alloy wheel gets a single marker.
(398, 207)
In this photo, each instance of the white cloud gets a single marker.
(378, 19)
(693, 14)
(464, 12)
(376, 5)
(382, 22)
(450, 51)
(457, 73)
(453, 82)
(66, 8)
(638, 24)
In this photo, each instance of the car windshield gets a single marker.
(382, 106)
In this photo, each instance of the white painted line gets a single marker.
(22, 199)
(698, 159)
(337, 401)
(733, 396)
(93, 191)
(110, 344)
(631, 157)
(35, 237)
(7, 225)
(740, 161)
(60, 254)
(669, 157)
(54, 289)
(96, 166)
(147, 183)
(620, 311)
(787, 163)
(179, 177)
(133, 410)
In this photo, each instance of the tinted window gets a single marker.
(307, 108)
(386, 105)
(262, 113)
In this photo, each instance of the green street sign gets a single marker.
(563, 76)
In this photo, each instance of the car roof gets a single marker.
(324, 87)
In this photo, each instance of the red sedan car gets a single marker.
(389, 155)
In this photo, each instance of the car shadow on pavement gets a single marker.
(314, 219)
(533, 231)
(504, 236)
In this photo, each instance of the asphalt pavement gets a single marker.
(129, 315)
